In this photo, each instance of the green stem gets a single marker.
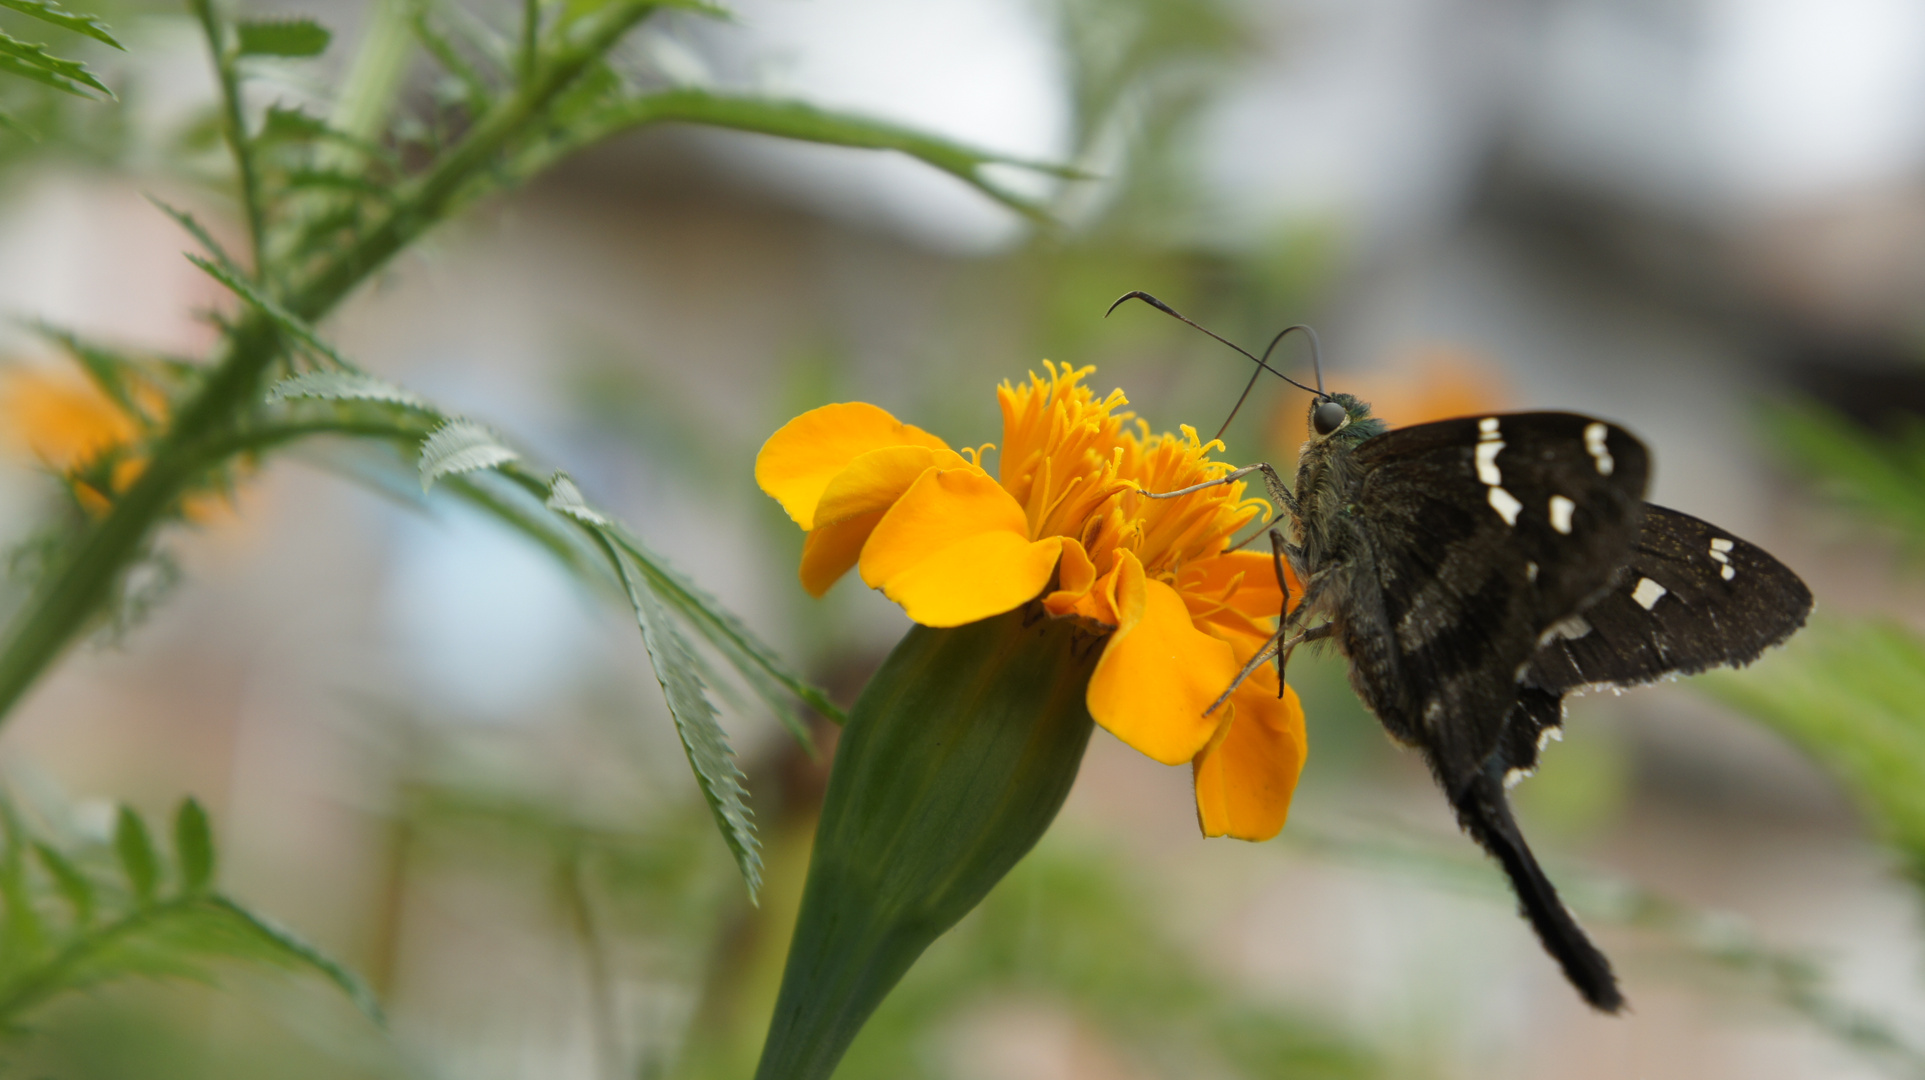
(234, 124)
(49, 978)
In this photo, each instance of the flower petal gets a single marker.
(983, 575)
(798, 461)
(830, 550)
(954, 549)
(1255, 595)
(1158, 672)
(875, 480)
(1076, 575)
(1245, 777)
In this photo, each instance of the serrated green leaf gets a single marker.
(50, 12)
(291, 949)
(135, 849)
(113, 373)
(289, 322)
(36, 63)
(565, 498)
(282, 37)
(72, 885)
(193, 847)
(345, 386)
(460, 446)
(702, 737)
(722, 629)
(24, 932)
(201, 236)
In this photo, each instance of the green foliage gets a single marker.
(49, 12)
(1852, 696)
(1879, 476)
(80, 915)
(663, 602)
(281, 37)
(460, 446)
(33, 62)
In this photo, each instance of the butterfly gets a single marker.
(1476, 571)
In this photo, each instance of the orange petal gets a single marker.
(983, 575)
(954, 550)
(830, 550)
(1076, 574)
(1256, 593)
(875, 480)
(1158, 672)
(1245, 777)
(798, 461)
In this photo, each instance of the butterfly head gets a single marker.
(1342, 415)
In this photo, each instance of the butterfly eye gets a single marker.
(1328, 417)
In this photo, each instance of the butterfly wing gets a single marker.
(1692, 597)
(1474, 536)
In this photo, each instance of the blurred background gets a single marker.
(433, 753)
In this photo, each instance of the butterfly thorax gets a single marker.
(1327, 476)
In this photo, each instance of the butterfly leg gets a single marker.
(1283, 640)
(1272, 484)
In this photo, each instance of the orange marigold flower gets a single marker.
(1066, 523)
(63, 420)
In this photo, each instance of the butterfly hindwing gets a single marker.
(1692, 597)
(1477, 535)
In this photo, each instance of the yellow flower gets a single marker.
(1066, 524)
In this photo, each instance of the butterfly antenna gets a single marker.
(1262, 362)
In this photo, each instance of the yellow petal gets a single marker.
(943, 507)
(1245, 777)
(830, 550)
(875, 480)
(1158, 672)
(1076, 574)
(798, 461)
(983, 575)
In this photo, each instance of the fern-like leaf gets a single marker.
(49, 12)
(135, 850)
(345, 386)
(460, 446)
(193, 847)
(702, 737)
(34, 62)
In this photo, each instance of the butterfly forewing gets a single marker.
(1477, 534)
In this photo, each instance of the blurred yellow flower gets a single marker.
(1065, 524)
(73, 428)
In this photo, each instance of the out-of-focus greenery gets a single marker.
(79, 914)
(1851, 694)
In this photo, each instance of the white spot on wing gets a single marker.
(1719, 547)
(1648, 593)
(1487, 461)
(1548, 736)
(1569, 629)
(1505, 504)
(1561, 509)
(1487, 427)
(1594, 436)
(1530, 572)
(1515, 776)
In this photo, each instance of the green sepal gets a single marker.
(953, 763)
